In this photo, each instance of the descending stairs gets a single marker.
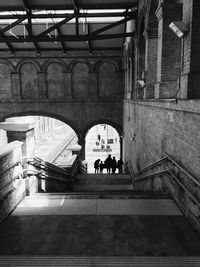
(103, 182)
(91, 217)
(62, 261)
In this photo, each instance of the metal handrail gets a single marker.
(150, 175)
(183, 170)
(151, 165)
(169, 158)
(182, 185)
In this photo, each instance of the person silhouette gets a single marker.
(96, 165)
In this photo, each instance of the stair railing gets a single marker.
(166, 162)
(46, 169)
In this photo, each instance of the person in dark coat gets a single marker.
(108, 163)
(114, 165)
(96, 165)
(120, 164)
(101, 165)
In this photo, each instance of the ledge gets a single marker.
(9, 147)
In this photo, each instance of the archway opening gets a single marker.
(101, 140)
(44, 137)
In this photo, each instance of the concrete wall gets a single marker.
(78, 90)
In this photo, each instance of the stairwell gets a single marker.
(102, 222)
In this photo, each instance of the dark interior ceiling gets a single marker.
(65, 25)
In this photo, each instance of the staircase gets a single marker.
(102, 222)
(103, 182)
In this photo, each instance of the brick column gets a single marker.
(151, 37)
(190, 77)
(42, 85)
(15, 78)
(169, 50)
(67, 85)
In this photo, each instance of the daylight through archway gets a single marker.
(101, 140)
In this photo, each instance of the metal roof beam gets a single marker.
(64, 38)
(31, 35)
(5, 29)
(64, 15)
(110, 26)
(71, 6)
(89, 42)
(55, 26)
(62, 43)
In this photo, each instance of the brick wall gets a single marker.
(165, 126)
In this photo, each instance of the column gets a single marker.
(42, 85)
(82, 151)
(16, 95)
(190, 76)
(151, 38)
(169, 50)
(23, 132)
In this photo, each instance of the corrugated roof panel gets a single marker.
(111, 43)
(23, 46)
(53, 45)
(3, 46)
(76, 45)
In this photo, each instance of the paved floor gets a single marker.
(98, 235)
(59, 205)
(47, 227)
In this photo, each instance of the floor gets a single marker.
(45, 229)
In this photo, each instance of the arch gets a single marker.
(58, 61)
(55, 80)
(74, 62)
(115, 125)
(102, 61)
(33, 62)
(9, 64)
(46, 114)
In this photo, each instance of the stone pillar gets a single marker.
(82, 151)
(151, 38)
(67, 85)
(121, 146)
(23, 132)
(15, 78)
(190, 76)
(169, 50)
(93, 85)
(42, 85)
(141, 66)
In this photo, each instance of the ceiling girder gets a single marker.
(55, 26)
(71, 6)
(64, 38)
(64, 15)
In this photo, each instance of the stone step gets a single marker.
(99, 261)
(102, 187)
(103, 176)
(128, 194)
(101, 180)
